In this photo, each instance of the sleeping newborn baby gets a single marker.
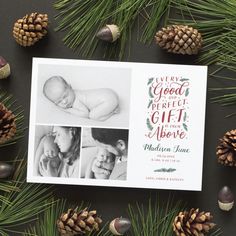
(50, 154)
(103, 164)
(95, 104)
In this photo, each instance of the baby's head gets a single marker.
(58, 91)
(105, 156)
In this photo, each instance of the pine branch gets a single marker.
(149, 125)
(46, 224)
(187, 92)
(82, 19)
(157, 219)
(216, 21)
(23, 206)
(157, 10)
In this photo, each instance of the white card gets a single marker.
(117, 124)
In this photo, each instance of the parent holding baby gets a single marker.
(114, 141)
(66, 161)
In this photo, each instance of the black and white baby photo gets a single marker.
(83, 95)
(57, 151)
(104, 153)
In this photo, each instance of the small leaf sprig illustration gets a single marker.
(149, 125)
(150, 93)
(184, 79)
(165, 170)
(185, 126)
(185, 116)
(150, 103)
(150, 80)
(187, 92)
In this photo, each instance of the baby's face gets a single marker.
(66, 99)
(105, 156)
(61, 94)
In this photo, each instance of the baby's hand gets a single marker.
(106, 172)
(48, 168)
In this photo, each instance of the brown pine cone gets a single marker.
(30, 29)
(193, 223)
(78, 223)
(179, 39)
(7, 124)
(226, 150)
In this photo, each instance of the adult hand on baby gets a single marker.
(47, 167)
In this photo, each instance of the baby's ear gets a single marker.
(121, 145)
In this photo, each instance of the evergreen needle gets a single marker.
(81, 19)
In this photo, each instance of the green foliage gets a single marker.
(150, 93)
(153, 15)
(46, 224)
(150, 103)
(187, 92)
(184, 79)
(150, 80)
(165, 170)
(10, 104)
(81, 19)
(22, 206)
(185, 116)
(185, 126)
(149, 125)
(216, 21)
(157, 219)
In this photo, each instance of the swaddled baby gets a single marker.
(50, 154)
(96, 104)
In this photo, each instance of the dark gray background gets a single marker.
(112, 202)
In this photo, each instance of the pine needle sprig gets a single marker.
(10, 104)
(23, 206)
(215, 20)
(155, 11)
(46, 224)
(157, 219)
(81, 20)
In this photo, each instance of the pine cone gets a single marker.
(192, 223)
(7, 124)
(179, 39)
(30, 29)
(226, 150)
(78, 223)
